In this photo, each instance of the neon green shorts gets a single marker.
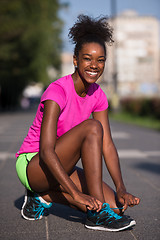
(21, 168)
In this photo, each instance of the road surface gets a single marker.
(139, 151)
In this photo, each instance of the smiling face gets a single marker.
(90, 62)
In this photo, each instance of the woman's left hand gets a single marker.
(127, 199)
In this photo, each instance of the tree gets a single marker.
(29, 43)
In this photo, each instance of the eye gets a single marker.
(101, 60)
(87, 59)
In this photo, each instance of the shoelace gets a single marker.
(120, 209)
(106, 208)
(38, 208)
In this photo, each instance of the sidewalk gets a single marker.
(139, 151)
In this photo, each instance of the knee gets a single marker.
(94, 128)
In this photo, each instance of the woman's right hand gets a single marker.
(90, 202)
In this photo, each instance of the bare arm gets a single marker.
(47, 146)
(49, 157)
(112, 161)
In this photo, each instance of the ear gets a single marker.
(75, 61)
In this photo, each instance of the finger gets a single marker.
(89, 208)
(137, 200)
(134, 201)
(91, 204)
(125, 206)
(94, 204)
(121, 200)
(131, 202)
(131, 205)
(99, 205)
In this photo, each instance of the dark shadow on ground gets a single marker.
(67, 213)
(19, 202)
(150, 167)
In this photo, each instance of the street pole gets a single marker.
(115, 97)
(113, 15)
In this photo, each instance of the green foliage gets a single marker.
(129, 118)
(29, 43)
(142, 106)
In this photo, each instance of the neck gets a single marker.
(80, 85)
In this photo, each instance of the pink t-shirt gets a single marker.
(74, 109)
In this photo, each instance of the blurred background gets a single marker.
(35, 50)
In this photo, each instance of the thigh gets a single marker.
(68, 150)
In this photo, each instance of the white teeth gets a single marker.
(92, 73)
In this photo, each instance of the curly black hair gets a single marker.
(87, 29)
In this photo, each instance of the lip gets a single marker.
(91, 73)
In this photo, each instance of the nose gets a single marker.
(93, 64)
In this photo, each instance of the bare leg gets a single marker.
(78, 178)
(85, 141)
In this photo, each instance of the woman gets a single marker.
(62, 133)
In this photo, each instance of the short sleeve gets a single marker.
(55, 93)
(101, 101)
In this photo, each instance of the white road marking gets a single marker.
(153, 153)
(123, 153)
(120, 135)
(131, 232)
(47, 232)
(131, 153)
(134, 153)
(5, 155)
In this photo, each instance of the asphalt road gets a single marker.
(139, 151)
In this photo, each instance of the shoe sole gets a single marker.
(22, 214)
(132, 223)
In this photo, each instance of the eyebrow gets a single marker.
(90, 55)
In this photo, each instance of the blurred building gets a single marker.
(134, 58)
(67, 63)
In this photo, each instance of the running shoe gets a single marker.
(107, 220)
(120, 209)
(33, 208)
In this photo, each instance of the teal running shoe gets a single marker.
(107, 220)
(33, 208)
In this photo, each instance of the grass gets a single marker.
(125, 117)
